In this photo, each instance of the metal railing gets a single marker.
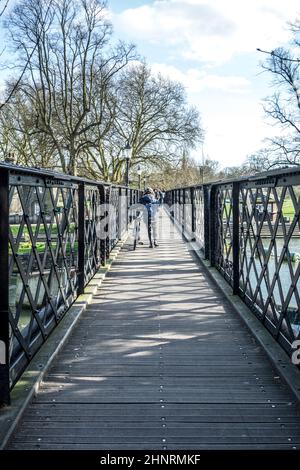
(55, 233)
(249, 229)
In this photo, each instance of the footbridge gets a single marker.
(193, 344)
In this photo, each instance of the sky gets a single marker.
(210, 46)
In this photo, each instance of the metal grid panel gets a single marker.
(224, 231)
(123, 212)
(270, 255)
(253, 239)
(199, 215)
(51, 246)
(43, 261)
(92, 253)
(187, 211)
(113, 217)
(181, 205)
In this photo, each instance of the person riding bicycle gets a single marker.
(151, 204)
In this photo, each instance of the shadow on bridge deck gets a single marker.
(160, 361)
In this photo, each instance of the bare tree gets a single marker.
(283, 107)
(63, 45)
(3, 6)
(152, 113)
(21, 69)
(77, 102)
(19, 136)
(262, 160)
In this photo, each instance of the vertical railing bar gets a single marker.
(193, 209)
(128, 195)
(101, 228)
(120, 218)
(206, 211)
(212, 225)
(182, 212)
(4, 288)
(81, 238)
(107, 225)
(96, 211)
(235, 237)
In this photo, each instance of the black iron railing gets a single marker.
(55, 233)
(249, 229)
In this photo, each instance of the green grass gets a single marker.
(26, 247)
(288, 209)
(42, 231)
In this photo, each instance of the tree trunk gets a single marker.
(72, 159)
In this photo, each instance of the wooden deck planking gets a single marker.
(160, 361)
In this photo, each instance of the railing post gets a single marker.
(206, 211)
(107, 225)
(182, 212)
(128, 195)
(101, 229)
(176, 206)
(130, 202)
(172, 212)
(4, 288)
(81, 238)
(212, 225)
(120, 218)
(193, 209)
(235, 237)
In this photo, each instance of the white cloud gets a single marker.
(196, 81)
(231, 118)
(210, 31)
(230, 138)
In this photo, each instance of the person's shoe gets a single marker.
(151, 245)
(155, 243)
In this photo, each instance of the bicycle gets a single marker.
(137, 230)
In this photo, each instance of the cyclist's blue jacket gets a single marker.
(150, 203)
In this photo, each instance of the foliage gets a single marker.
(283, 106)
(80, 96)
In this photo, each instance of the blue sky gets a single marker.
(210, 45)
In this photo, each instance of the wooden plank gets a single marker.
(154, 436)
(160, 360)
(150, 446)
(116, 414)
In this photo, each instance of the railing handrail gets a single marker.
(279, 173)
(38, 171)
